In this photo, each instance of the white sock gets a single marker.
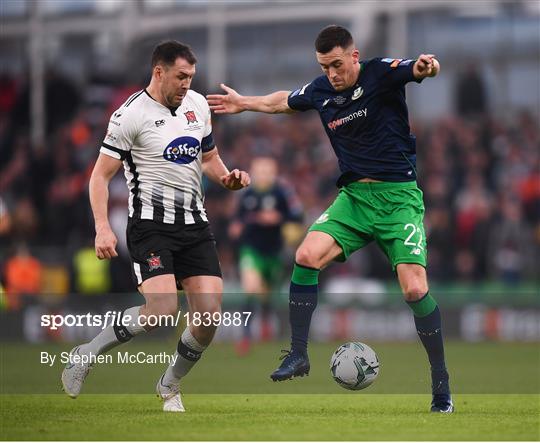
(134, 328)
(188, 353)
(113, 336)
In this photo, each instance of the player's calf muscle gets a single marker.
(159, 305)
(168, 306)
(204, 334)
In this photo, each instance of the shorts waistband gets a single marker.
(381, 186)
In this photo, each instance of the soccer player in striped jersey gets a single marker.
(162, 136)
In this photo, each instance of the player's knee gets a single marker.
(306, 257)
(252, 286)
(163, 308)
(414, 291)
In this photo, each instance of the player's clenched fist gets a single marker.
(236, 179)
(105, 243)
(426, 66)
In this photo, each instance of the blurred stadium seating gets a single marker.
(476, 126)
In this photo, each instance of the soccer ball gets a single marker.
(354, 366)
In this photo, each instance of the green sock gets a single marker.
(427, 319)
(302, 303)
(423, 307)
(305, 276)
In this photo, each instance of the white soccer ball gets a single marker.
(354, 366)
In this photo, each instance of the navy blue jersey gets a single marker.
(267, 239)
(368, 124)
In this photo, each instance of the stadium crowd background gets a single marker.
(479, 170)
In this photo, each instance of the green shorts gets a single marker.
(268, 266)
(389, 213)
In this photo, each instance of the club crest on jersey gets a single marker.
(110, 136)
(182, 150)
(191, 117)
(323, 218)
(154, 262)
(357, 93)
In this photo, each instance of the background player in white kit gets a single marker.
(163, 137)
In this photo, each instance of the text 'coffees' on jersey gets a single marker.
(162, 149)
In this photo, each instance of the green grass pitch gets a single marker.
(496, 392)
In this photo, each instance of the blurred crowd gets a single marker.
(480, 173)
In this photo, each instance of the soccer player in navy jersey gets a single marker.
(361, 104)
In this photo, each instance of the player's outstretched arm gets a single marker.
(426, 66)
(215, 170)
(104, 170)
(233, 103)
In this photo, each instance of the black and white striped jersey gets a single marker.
(162, 150)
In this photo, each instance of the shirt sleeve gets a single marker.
(120, 136)
(207, 142)
(290, 205)
(397, 72)
(301, 99)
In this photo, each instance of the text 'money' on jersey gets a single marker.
(367, 124)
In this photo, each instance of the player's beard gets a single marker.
(173, 101)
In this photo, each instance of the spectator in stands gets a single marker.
(470, 92)
(510, 243)
(22, 276)
(468, 165)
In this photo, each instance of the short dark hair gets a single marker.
(332, 36)
(167, 52)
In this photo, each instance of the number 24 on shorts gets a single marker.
(417, 247)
